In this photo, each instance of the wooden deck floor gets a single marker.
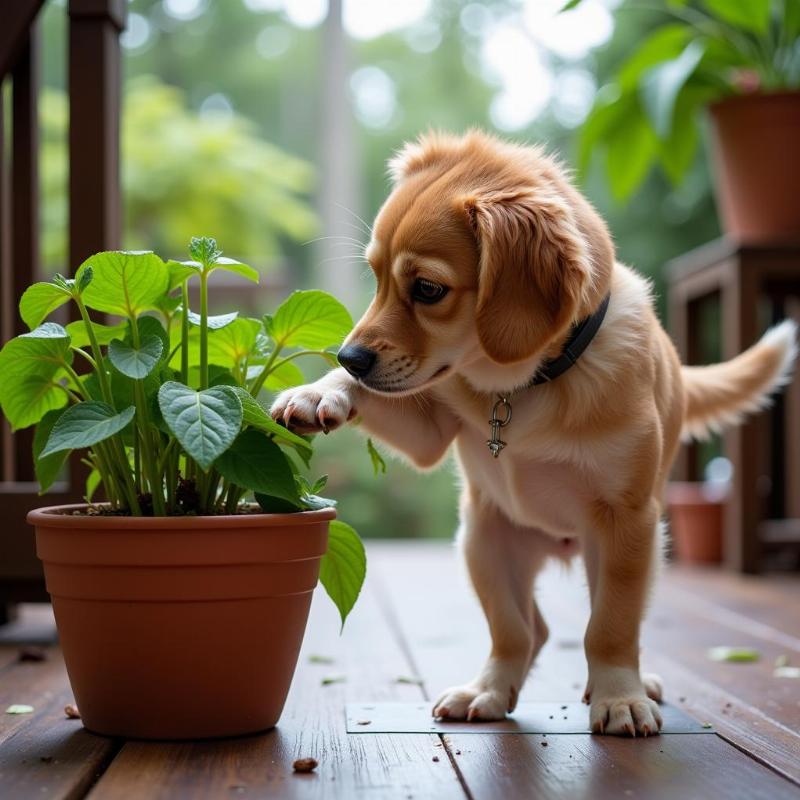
(418, 620)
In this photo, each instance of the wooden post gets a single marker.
(95, 208)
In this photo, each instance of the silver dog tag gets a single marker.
(495, 443)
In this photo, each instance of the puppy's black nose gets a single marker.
(357, 360)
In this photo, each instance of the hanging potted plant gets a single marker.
(180, 605)
(739, 60)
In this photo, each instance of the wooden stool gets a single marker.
(755, 286)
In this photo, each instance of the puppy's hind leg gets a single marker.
(503, 560)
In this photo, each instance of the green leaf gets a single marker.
(85, 424)
(631, 152)
(125, 283)
(254, 415)
(104, 333)
(285, 376)
(179, 271)
(150, 326)
(231, 265)
(205, 423)
(734, 654)
(27, 398)
(343, 567)
(19, 708)
(228, 346)
(378, 464)
(30, 366)
(48, 468)
(39, 301)
(136, 363)
(204, 249)
(664, 44)
(277, 505)
(93, 480)
(313, 502)
(662, 85)
(256, 463)
(85, 279)
(678, 151)
(750, 15)
(214, 323)
(312, 319)
(568, 6)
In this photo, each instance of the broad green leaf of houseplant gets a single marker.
(232, 265)
(150, 326)
(179, 271)
(750, 15)
(205, 423)
(311, 319)
(256, 463)
(662, 85)
(284, 376)
(103, 333)
(48, 468)
(124, 283)
(85, 424)
(214, 322)
(136, 362)
(343, 567)
(39, 301)
(30, 366)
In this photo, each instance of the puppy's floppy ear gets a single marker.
(534, 270)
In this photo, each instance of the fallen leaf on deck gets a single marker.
(305, 765)
(407, 679)
(72, 712)
(782, 661)
(734, 654)
(707, 725)
(314, 659)
(19, 708)
(32, 654)
(787, 672)
(330, 679)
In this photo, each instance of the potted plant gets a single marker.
(740, 60)
(180, 606)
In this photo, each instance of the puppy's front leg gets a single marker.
(503, 560)
(417, 426)
(620, 558)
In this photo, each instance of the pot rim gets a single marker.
(53, 517)
(754, 97)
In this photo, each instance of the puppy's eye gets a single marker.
(427, 291)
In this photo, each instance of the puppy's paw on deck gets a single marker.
(625, 716)
(474, 703)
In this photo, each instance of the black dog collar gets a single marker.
(579, 339)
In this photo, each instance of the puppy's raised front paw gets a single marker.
(474, 703)
(312, 408)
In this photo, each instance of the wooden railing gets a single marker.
(94, 223)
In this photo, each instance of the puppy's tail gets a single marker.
(721, 394)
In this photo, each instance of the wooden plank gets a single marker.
(44, 754)
(438, 620)
(312, 725)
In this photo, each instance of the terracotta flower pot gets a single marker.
(757, 165)
(695, 523)
(180, 627)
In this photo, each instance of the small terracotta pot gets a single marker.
(757, 165)
(180, 627)
(695, 523)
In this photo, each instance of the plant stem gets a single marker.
(264, 374)
(204, 328)
(105, 388)
(185, 332)
(147, 447)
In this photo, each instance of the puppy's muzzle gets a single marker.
(357, 360)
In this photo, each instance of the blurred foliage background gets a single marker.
(225, 130)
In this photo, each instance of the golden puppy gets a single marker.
(486, 258)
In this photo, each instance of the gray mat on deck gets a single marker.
(527, 718)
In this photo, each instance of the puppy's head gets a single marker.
(483, 249)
